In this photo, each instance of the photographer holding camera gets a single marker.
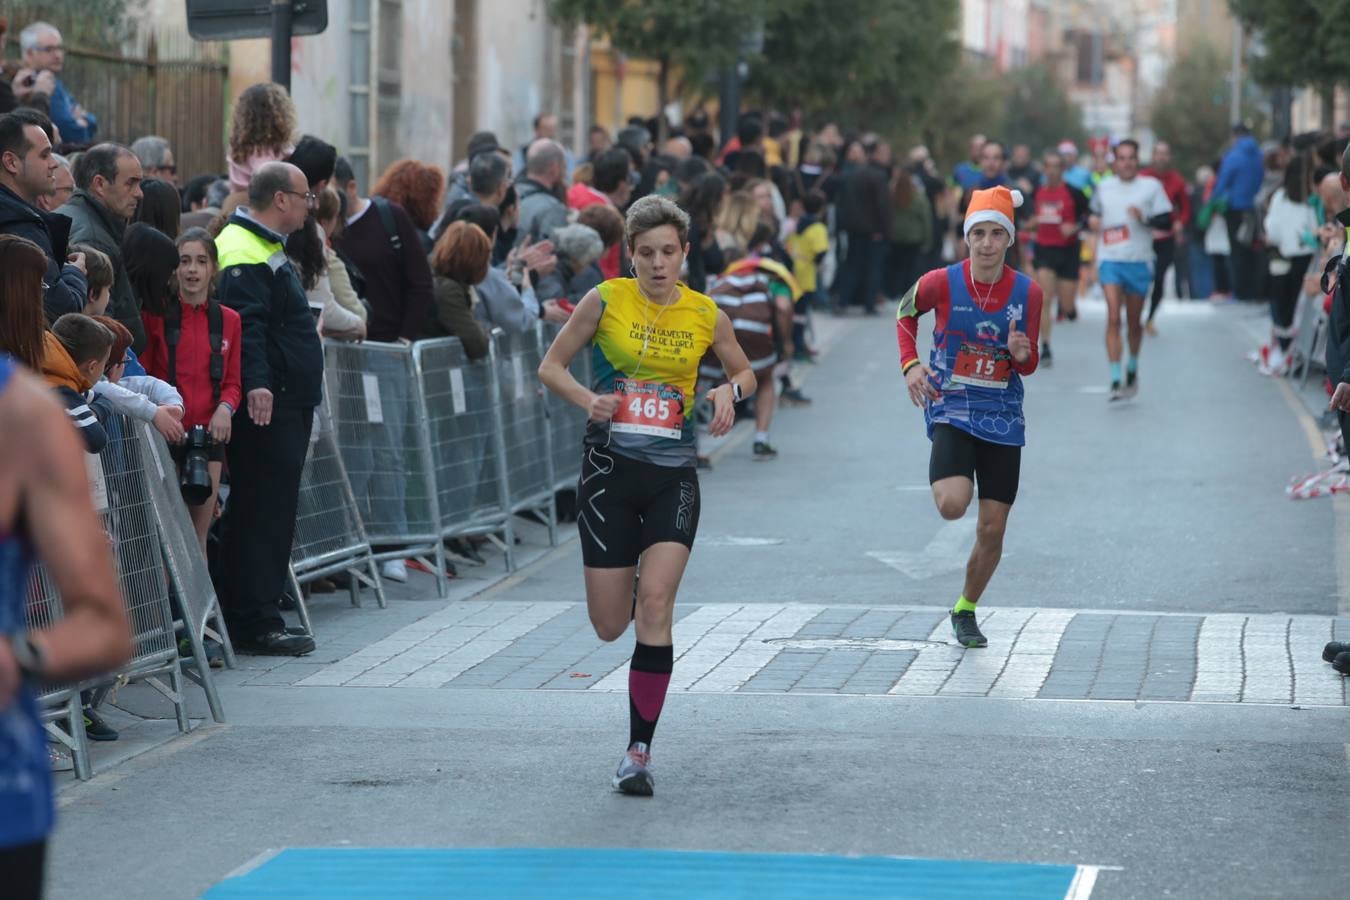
(195, 346)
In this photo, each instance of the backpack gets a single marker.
(215, 331)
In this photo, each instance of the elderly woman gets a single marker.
(579, 249)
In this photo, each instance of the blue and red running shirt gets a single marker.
(979, 384)
(26, 809)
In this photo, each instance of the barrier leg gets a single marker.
(79, 741)
(300, 607)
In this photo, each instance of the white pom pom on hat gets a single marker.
(994, 205)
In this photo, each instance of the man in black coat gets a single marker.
(26, 170)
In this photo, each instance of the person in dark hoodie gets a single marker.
(107, 190)
(26, 168)
(1240, 175)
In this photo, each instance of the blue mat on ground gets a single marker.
(403, 874)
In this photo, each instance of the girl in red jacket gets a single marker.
(210, 398)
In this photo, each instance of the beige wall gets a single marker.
(519, 73)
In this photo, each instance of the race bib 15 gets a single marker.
(982, 366)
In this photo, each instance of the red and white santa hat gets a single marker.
(993, 205)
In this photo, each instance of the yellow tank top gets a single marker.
(649, 354)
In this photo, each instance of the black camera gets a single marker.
(195, 481)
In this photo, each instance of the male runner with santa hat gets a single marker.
(987, 322)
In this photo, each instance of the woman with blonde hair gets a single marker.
(736, 223)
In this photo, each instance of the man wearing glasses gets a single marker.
(281, 364)
(44, 56)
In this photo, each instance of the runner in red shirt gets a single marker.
(1060, 213)
(1166, 242)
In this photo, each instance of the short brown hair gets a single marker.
(97, 267)
(462, 253)
(122, 340)
(83, 337)
(655, 211)
(606, 221)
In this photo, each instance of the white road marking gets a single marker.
(946, 552)
(721, 647)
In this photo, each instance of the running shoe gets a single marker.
(764, 451)
(1334, 649)
(96, 729)
(795, 397)
(1131, 384)
(1047, 358)
(395, 570)
(1116, 393)
(634, 776)
(1073, 315)
(967, 633)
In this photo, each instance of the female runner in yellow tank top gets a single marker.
(638, 495)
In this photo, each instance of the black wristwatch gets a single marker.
(29, 656)
(736, 392)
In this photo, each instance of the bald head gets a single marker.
(679, 148)
(278, 196)
(545, 161)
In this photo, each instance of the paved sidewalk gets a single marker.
(800, 648)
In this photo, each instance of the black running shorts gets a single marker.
(625, 506)
(995, 468)
(1063, 260)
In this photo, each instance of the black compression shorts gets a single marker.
(995, 468)
(1063, 260)
(625, 506)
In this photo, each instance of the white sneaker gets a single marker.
(395, 570)
(59, 759)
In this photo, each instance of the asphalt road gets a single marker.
(1172, 503)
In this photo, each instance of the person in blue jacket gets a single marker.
(1240, 176)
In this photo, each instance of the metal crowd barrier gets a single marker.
(567, 425)
(1310, 343)
(128, 481)
(330, 536)
(432, 446)
(526, 434)
(464, 426)
(378, 409)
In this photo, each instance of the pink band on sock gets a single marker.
(648, 690)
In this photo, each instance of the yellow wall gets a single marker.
(616, 97)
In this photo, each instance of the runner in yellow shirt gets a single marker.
(638, 496)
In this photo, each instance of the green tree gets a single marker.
(1304, 44)
(1191, 110)
(695, 36)
(1038, 111)
(93, 24)
(864, 63)
(968, 101)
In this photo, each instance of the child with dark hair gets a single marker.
(141, 397)
(98, 276)
(75, 356)
(808, 244)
